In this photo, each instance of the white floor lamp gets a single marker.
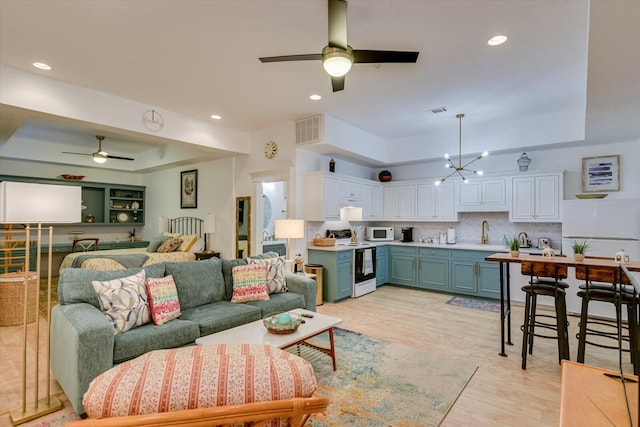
(289, 229)
(28, 203)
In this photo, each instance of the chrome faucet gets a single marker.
(484, 239)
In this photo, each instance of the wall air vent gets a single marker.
(309, 130)
(438, 110)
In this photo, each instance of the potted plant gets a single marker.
(579, 248)
(514, 246)
(132, 235)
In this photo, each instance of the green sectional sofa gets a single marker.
(83, 344)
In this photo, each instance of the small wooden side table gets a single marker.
(207, 255)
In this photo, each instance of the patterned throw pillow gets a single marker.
(187, 242)
(276, 281)
(124, 301)
(170, 245)
(156, 243)
(250, 283)
(163, 299)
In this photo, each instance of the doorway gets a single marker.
(273, 206)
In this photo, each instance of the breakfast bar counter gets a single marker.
(505, 296)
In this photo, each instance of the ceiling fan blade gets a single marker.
(378, 56)
(110, 156)
(307, 57)
(338, 23)
(80, 154)
(337, 83)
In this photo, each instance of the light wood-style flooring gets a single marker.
(499, 394)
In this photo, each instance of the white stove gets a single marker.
(364, 277)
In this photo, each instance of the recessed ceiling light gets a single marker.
(216, 117)
(497, 40)
(42, 66)
(315, 97)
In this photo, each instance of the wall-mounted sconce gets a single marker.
(524, 162)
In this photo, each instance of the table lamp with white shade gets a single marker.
(31, 203)
(289, 229)
(209, 227)
(351, 214)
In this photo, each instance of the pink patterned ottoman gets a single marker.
(199, 377)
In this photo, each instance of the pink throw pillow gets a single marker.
(250, 283)
(163, 299)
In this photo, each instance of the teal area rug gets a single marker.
(377, 383)
(380, 383)
(478, 304)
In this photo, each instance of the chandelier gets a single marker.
(460, 168)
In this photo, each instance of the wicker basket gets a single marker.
(324, 241)
(12, 297)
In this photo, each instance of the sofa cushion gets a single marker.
(198, 282)
(250, 283)
(221, 315)
(283, 301)
(164, 304)
(124, 301)
(275, 273)
(149, 337)
(73, 283)
(198, 377)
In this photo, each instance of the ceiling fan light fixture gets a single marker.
(337, 62)
(99, 157)
(497, 40)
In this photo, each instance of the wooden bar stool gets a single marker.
(613, 287)
(545, 279)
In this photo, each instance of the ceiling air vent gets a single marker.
(438, 110)
(308, 130)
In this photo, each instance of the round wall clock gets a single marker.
(270, 149)
(153, 121)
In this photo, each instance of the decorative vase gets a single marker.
(132, 238)
(578, 257)
(384, 176)
(515, 254)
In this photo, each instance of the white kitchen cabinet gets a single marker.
(399, 201)
(371, 202)
(322, 197)
(437, 202)
(483, 195)
(536, 198)
(350, 189)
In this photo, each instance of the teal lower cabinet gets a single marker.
(471, 275)
(433, 269)
(337, 272)
(403, 265)
(381, 265)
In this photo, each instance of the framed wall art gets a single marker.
(189, 189)
(600, 174)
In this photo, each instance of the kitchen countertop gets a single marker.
(461, 245)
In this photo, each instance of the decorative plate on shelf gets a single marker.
(591, 196)
(72, 177)
(122, 217)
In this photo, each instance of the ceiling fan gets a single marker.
(337, 57)
(100, 156)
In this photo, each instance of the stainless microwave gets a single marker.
(379, 233)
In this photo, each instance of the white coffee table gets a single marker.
(256, 333)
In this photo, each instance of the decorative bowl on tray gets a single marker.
(282, 322)
(72, 177)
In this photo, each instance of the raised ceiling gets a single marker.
(198, 58)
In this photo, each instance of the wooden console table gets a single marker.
(505, 303)
(592, 396)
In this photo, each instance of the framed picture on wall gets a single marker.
(189, 189)
(601, 174)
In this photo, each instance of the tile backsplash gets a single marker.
(468, 229)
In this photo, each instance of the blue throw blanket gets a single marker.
(128, 261)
